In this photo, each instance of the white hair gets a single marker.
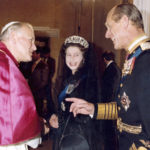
(12, 26)
(8, 25)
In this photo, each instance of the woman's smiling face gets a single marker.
(74, 58)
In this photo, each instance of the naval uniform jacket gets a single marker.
(132, 109)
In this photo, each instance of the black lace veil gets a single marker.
(90, 67)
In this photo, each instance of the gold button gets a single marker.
(118, 96)
(121, 85)
(119, 108)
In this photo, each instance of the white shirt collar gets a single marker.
(109, 63)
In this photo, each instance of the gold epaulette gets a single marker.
(145, 46)
(107, 111)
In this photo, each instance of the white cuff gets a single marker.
(91, 116)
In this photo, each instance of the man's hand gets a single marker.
(80, 106)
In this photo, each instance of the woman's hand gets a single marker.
(54, 121)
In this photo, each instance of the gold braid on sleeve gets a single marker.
(107, 111)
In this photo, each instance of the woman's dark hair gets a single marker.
(89, 68)
(63, 71)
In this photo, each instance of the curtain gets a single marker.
(144, 7)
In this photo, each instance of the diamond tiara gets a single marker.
(77, 40)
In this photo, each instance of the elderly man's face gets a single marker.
(25, 44)
(115, 32)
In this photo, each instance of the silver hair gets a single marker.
(12, 26)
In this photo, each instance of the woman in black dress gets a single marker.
(76, 77)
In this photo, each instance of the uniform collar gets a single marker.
(137, 42)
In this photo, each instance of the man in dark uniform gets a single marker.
(38, 82)
(111, 77)
(125, 28)
(110, 81)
